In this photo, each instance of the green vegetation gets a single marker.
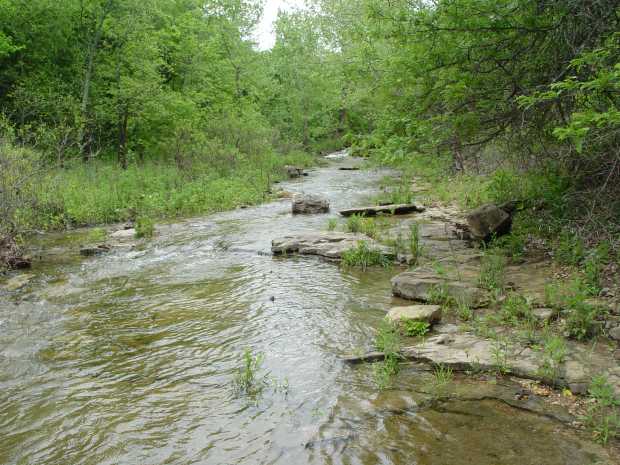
(247, 380)
(114, 110)
(603, 415)
(387, 341)
(571, 299)
(442, 379)
(363, 256)
(554, 352)
(144, 227)
(415, 247)
(492, 270)
(332, 223)
(414, 328)
(516, 309)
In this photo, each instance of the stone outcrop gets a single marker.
(428, 313)
(294, 172)
(468, 352)
(390, 209)
(425, 285)
(326, 244)
(488, 221)
(310, 203)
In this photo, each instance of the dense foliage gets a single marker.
(175, 93)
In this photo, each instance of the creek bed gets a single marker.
(129, 357)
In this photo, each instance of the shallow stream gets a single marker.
(129, 358)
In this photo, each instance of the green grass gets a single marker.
(247, 380)
(554, 351)
(414, 328)
(387, 341)
(100, 192)
(363, 256)
(603, 415)
(332, 223)
(145, 227)
(442, 379)
(516, 309)
(571, 299)
(492, 271)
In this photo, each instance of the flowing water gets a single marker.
(129, 358)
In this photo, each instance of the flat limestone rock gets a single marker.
(424, 284)
(469, 352)
(124, 234)
(327, 244)
(392, 209)
(428, 313)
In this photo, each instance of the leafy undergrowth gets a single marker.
(101, 192)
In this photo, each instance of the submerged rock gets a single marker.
(17, 282)
(310, 203)
(390, 209)
(426, 285)
(94, 250)
(428, 313)
(489, 221)
(326, 244)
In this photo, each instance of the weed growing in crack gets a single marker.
(387, 341)
(603, 415)
(554, 351)
(363, 256)
(442, 378)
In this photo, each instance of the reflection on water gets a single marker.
(128, 358)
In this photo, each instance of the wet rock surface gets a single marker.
(390, 209)
(91, 251)
(324, 244)
(427, 313)
(294, 171)
(426, 285)
(17, 282)
(309, 204)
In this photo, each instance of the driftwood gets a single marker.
(391, 209)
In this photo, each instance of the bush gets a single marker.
(144, 227)
(364, 257)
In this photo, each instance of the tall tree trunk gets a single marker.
(83, 137)
(123, 118)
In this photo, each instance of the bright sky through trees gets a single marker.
(265, 35)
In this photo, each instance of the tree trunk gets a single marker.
(123, 118)
(83, 138)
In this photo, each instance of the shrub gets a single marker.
(516, 308)
(363, 256)
(492, 270)
(144, 227)
(414, 328)
(571, 299)
(603, 416)
(554, 352)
